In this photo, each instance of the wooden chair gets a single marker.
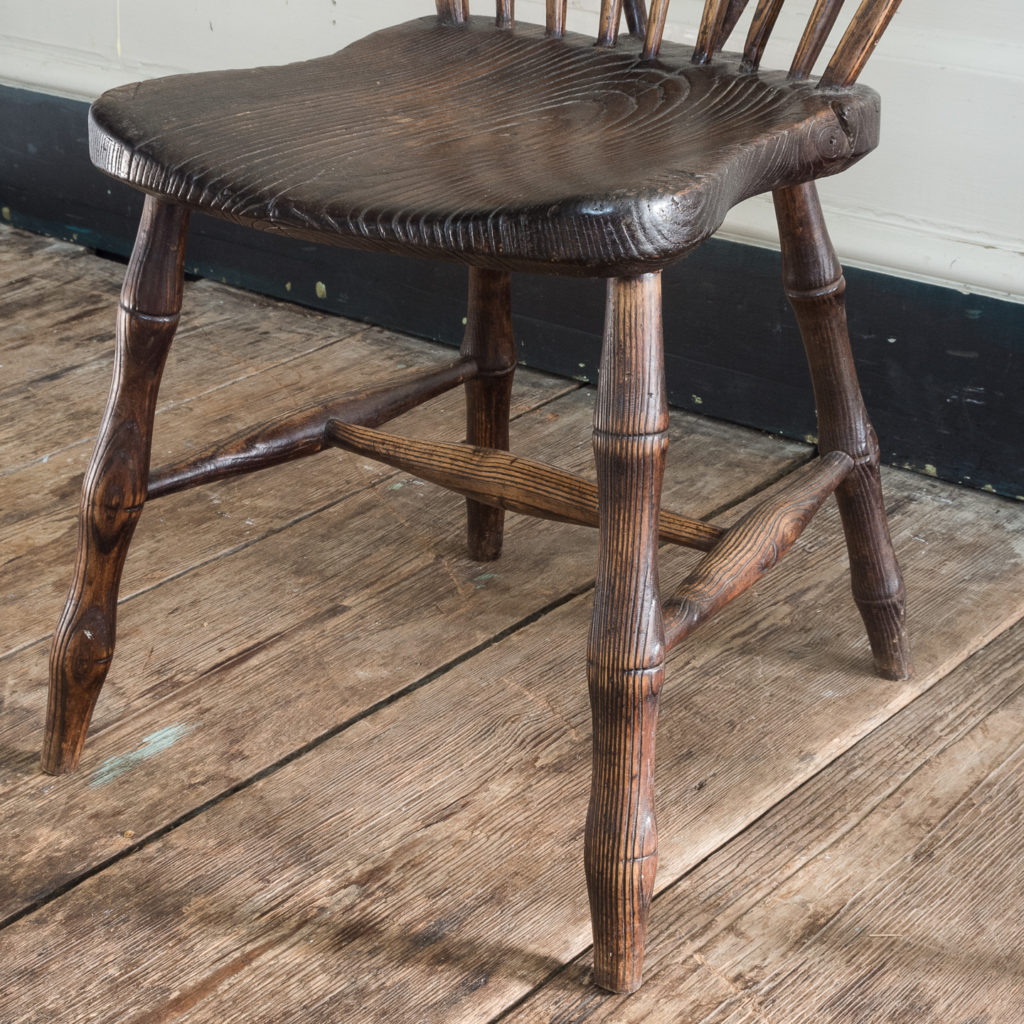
(512, 147)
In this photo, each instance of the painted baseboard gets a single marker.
(941, 370)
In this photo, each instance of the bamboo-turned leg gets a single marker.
(490, 343)
(115, 482)
(626, 650)
(814, 285)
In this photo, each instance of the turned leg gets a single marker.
(814, 285)
(490, 342)
(626, 650)
(115, 483)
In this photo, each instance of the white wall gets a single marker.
(942, 200)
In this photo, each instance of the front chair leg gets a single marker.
(626, 650)
(814, 285)
(490, 342)
(114, 489)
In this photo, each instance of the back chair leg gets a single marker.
(490, 342)
(115, 483)
(814, 285)
(626, 650)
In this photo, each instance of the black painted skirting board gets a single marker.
(941, 371)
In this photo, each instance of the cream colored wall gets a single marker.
(941, 200)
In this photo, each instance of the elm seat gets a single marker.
(511, 147)
(456, 141)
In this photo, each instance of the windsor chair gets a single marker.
(512, 147)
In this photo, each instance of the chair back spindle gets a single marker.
(608, 27)
(862, 35)
(732, 15)
(710, 31)
(720, 18)
(636, 17)
(655, 29)
(556, 10)
(717, 23)
(765, 15)
(808, 50)
(452, 12)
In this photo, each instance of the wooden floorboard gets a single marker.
(339, 771)
(887, 888)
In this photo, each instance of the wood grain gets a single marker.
(301, 434)
(185, 580)
(392, 144)
(490, 343)
(58, 355)
(408, 912)
(885, 885)
(189, 142)
(626, 645)
(815, 287)
(204, 398)
(114, 489)
(507, 481)
(753, 546)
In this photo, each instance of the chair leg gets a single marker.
(626, 649)
(488, 340)
(814, 285)
(114, 489)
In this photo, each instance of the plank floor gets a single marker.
(339, 771)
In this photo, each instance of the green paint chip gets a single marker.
(321, 290)
(153, 744)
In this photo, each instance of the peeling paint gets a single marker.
(287, 286)
(321, 290)
(153, 744)
(697, 400)
(5, 212)
(929, 470)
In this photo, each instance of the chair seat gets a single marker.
(501, 148)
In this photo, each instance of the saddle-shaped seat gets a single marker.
(512, 150)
